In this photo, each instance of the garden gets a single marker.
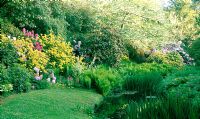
(106, 59)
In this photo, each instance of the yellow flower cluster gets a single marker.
(29, 56)
(4, 39)
(55, 53)
(124, 57)
(59, 52)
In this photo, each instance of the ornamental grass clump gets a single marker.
(170, 108)
(145, 83)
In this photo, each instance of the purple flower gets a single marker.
(37, 78)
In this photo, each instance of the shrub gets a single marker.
(8, 53)
(171, 58)
(20, 78)
(9, 29)
(29, 56)
(6, 88)
(106, 45)
(59, 52)
(1, 21)
(5, 85)
(195, 52)
(183, 84)
(54, 52)
(3, 75)
(40, 84)
(103, 85)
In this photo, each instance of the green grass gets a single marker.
(50, 104)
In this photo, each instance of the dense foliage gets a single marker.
(37, 15)
(183, 84)
(20, 78)
(16, 78)
(195, 52)
(100, 78)
(172, 58)
(8, 53)
(9, 29)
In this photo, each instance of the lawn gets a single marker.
(50, 104)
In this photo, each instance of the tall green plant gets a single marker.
(145, 83)
(162, 109)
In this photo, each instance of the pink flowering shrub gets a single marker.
(38, 46)
(29, 33)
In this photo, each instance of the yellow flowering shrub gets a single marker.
(58, 50)
(29, 56)
(49, 51)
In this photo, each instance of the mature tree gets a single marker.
(39, 15)
(182, 16)
(138, 21)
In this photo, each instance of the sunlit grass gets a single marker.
(50, 104)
